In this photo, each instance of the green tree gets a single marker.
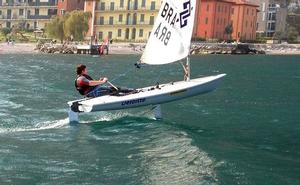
(228, 30)
(55, 28)
(278, 35)
(76, 25)
(5, 31)
(292, 34)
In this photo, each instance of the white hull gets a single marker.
(151, 95)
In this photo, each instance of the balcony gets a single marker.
(39, 16)
(42, 4)
(34, 4)
(130, 23)
(13, 4)
(14, 17)
(125, 9)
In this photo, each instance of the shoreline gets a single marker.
(137, 48)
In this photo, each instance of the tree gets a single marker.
(55, 28)
(77, 25)
(5, 31)
(17, 30)
(278, 35)
(228, 30)
(292, 34)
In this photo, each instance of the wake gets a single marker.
(40, 126)
(112, 117)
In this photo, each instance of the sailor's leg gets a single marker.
(157, 112)
(73, 116)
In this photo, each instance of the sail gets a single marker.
(171, 34)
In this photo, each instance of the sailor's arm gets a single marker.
(97, 82)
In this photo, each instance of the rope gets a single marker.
(147, 111)
(123, 74)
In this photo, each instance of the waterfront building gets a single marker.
(214, 16)
(244, 18)
(272, 17)
(124, 20)
(64, 6)
(30, 14)
(217, 16)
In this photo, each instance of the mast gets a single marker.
(188, 69)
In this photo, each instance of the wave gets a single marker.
(39, 126)
(170, 158)
(114, 117)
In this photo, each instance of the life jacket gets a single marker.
(85, 89)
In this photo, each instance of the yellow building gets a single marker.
(30, 14)
(122, 20)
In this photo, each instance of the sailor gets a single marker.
(87, 86)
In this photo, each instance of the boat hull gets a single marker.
(150, 95)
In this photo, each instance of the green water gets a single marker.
(246, 132)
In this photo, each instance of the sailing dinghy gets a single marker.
(169, 42)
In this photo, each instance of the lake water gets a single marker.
(245, 132)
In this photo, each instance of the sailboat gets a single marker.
(169, 42)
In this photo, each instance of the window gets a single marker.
(21, 12)
(112, 6)
(119, 33)
(120, 18)
(135, 5)
(142, 19)
(219, 8)
(152, 5)
(151, 20)
(232, 10)
(206, 20)
(100, 35)
(101, 20)
(102, 6)
(62, 12)
(143, 3)
(110, 35)
(8, 24)
(247, 11)
(207, 8)
(272, 16)
(121, 3)
(141, 33)
(271, 26)
(246, 24)
(0, 12)
(111, 20)
(36, 11)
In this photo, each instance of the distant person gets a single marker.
(87, 86)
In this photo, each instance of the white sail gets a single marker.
(170, 38)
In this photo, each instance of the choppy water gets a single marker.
(246, 132)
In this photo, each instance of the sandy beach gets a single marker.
(137, 48)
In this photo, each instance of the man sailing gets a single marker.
(87, 86)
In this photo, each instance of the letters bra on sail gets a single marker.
(170, 38)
